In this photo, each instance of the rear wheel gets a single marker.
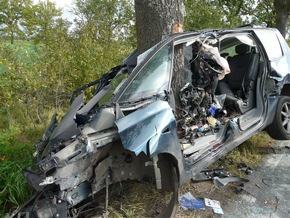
(280, 127)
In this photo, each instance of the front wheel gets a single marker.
(280, 127)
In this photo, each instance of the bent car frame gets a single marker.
(236, 83)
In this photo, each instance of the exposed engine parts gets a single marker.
(201, 114)
(201, 108)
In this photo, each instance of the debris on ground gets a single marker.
(243, 167)
(210, 174)
(222, 182)
(189, 202)
(220, 176)
(215, 205)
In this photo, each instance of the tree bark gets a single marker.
(282, 8)
(156, 18)
(12, 38)
(12, 34)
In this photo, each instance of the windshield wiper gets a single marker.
(143, 99)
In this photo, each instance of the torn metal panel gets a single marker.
(222, 182)
(103, 119)
(136, 129)
(68, 128)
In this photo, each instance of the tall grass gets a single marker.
(14, 157)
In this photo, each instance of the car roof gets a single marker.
(220, 31)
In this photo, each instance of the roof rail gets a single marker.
(246, 25)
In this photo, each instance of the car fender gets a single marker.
(271, 110)
(286, 81)
(141, 130)
(281, 87)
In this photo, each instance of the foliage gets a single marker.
(40, 75)
(18, 79)
(264, 12)
(227, 13)
(111, 19)
(202, 14)
(21, 18)
(11, 13)
(282, 11)
(41, 20)
(37, 77)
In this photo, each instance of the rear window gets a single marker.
(271, 44)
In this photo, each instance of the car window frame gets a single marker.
(144, 61)
(263, 35)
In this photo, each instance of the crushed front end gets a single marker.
(92, 148)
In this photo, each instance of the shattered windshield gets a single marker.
(152, 79)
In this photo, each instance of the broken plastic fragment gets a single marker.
(213, 110)
(218, 210)
(215, 205)
(222, 182)
(198, 204)
(210, 174)
(243, 167)
(188, 195)
(188, 202)
(211, 203)
(185, 201)
(200, 129)
(212, 121)
(48, 180)
(194, 127)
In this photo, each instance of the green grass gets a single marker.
(250, 153)
(14, 157)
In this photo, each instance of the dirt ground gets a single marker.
(207, 189)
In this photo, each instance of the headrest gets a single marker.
(242, 49)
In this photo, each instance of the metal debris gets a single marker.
(222, 182)
(210, 174)
(243, 167)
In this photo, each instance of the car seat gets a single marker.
(236, 85)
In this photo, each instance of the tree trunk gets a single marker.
(282, 8)
(12, 36)
(155, 18)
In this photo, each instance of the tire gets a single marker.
(280, 127)
(172, 207)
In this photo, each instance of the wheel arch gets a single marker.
(165, 160)
(275, 90)
(286, 90)
(279, 128)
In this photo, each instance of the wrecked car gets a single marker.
(235, 83)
